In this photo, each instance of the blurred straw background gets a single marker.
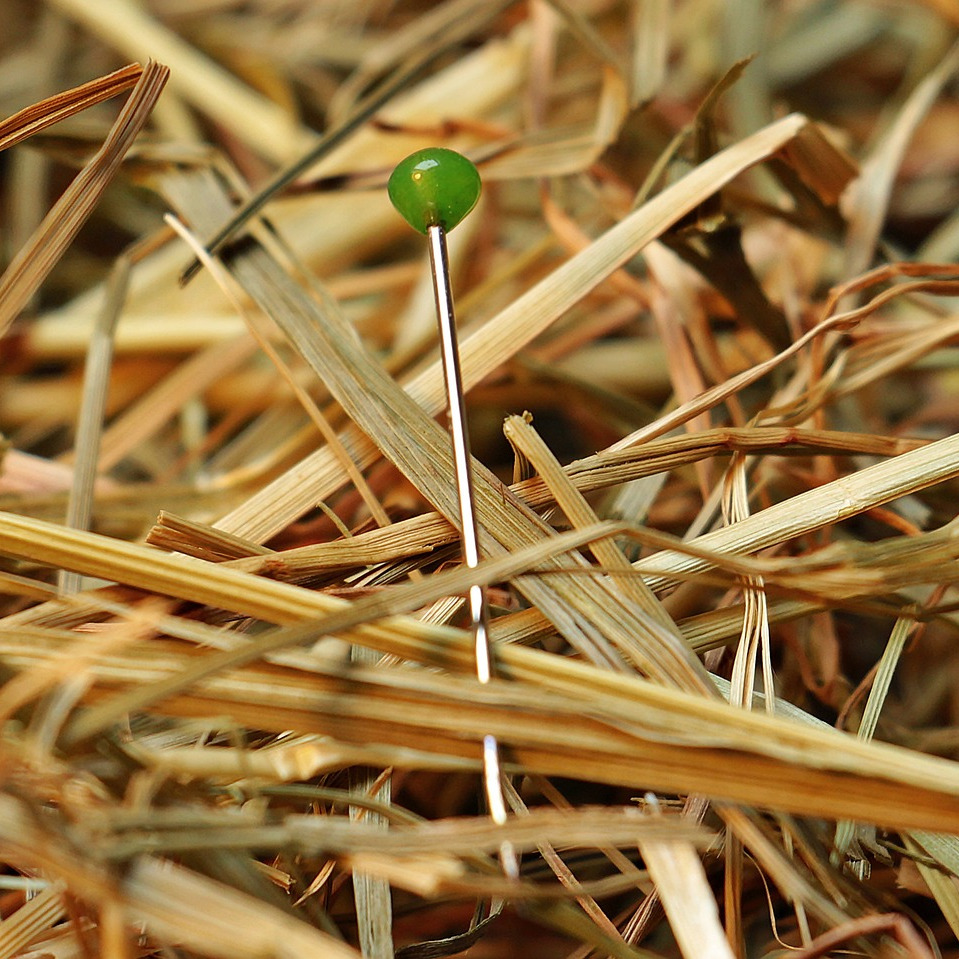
(710, 343)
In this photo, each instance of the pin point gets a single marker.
(433, 190)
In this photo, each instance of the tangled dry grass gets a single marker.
(710, 347)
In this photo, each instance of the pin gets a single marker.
(433, 190)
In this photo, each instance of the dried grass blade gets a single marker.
(754, 640)
(883, 677)
(845, 831)
(253, 119)
(650, 49)
(680, 880)
(115, 560)
(662, 652)
(466, 837)
(868, 201)
(374, 912)
(305, 758)
(33, 263)
(36, 916)
(13, 585)
(826, 505)
(178, 534)
(96, 381)
(39, 116)
(943, 882)
(371, 893)
(564, 718)
(183, 909)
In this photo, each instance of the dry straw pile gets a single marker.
(239, 716)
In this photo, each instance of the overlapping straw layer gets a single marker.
(708, 343)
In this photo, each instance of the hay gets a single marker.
(708, 340)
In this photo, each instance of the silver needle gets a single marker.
(459, 433)
(433, 189)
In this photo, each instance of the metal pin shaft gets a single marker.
(439, 264)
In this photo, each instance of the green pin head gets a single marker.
(434, 187)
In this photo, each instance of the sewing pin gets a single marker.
(433, 190)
